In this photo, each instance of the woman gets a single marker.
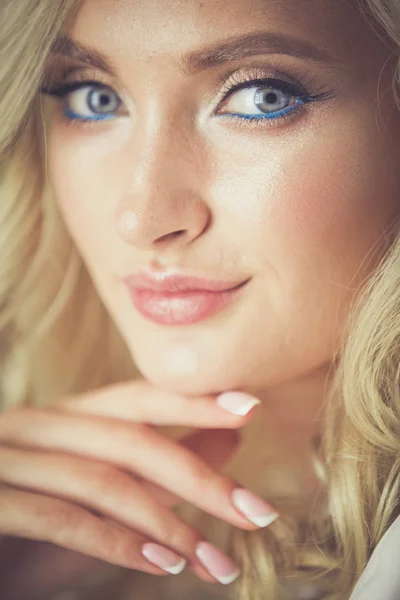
(199, 214)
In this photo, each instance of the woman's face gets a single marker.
(179, 178)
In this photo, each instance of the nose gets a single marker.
(162, 206)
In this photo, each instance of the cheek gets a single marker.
(326, 207)
(346, 198)
(85, 195)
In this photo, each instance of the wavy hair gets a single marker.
(52, 320)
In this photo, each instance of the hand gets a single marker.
(88, 475)
(34, 570)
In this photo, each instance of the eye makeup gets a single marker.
(268, 90)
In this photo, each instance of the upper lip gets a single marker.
(175, 282)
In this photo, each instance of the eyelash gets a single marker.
(300, 91)
(237, 82)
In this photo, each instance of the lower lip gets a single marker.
(183, 308)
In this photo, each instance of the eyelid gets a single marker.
(84, 75)
(247, 77)
(234, 79)
(223, 85)
(78, 72)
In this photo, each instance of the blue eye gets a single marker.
(250, 101)
(87, 100)
(264, 99)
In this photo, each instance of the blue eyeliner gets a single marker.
(74, 117)
(297, 92)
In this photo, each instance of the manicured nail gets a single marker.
(163, 558)
(237, 403)
(254, 508)
(217, 563)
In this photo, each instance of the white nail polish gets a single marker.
(264, 521)
(177, 569)
(229, 579)
(237, 403)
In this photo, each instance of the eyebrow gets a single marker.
(232, 49)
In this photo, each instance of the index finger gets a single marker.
(141, 403)
(141, 451)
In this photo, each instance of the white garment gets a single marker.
(382, 583)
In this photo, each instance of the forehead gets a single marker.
(147, 29)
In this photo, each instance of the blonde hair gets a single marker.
(52, 320)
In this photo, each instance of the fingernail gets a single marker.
(217, 563)
(163, 558)
(237, 403)
(254, 508)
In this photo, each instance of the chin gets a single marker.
(201, 384)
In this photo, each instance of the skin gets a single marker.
(298, 206)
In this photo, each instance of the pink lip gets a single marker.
(170, 299)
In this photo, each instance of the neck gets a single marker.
(297, 407)
(274, 458)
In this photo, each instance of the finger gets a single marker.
(38, 517)
(138, 449)
(142, 403)
(215, 447)
(196, 568)
(103, 489)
